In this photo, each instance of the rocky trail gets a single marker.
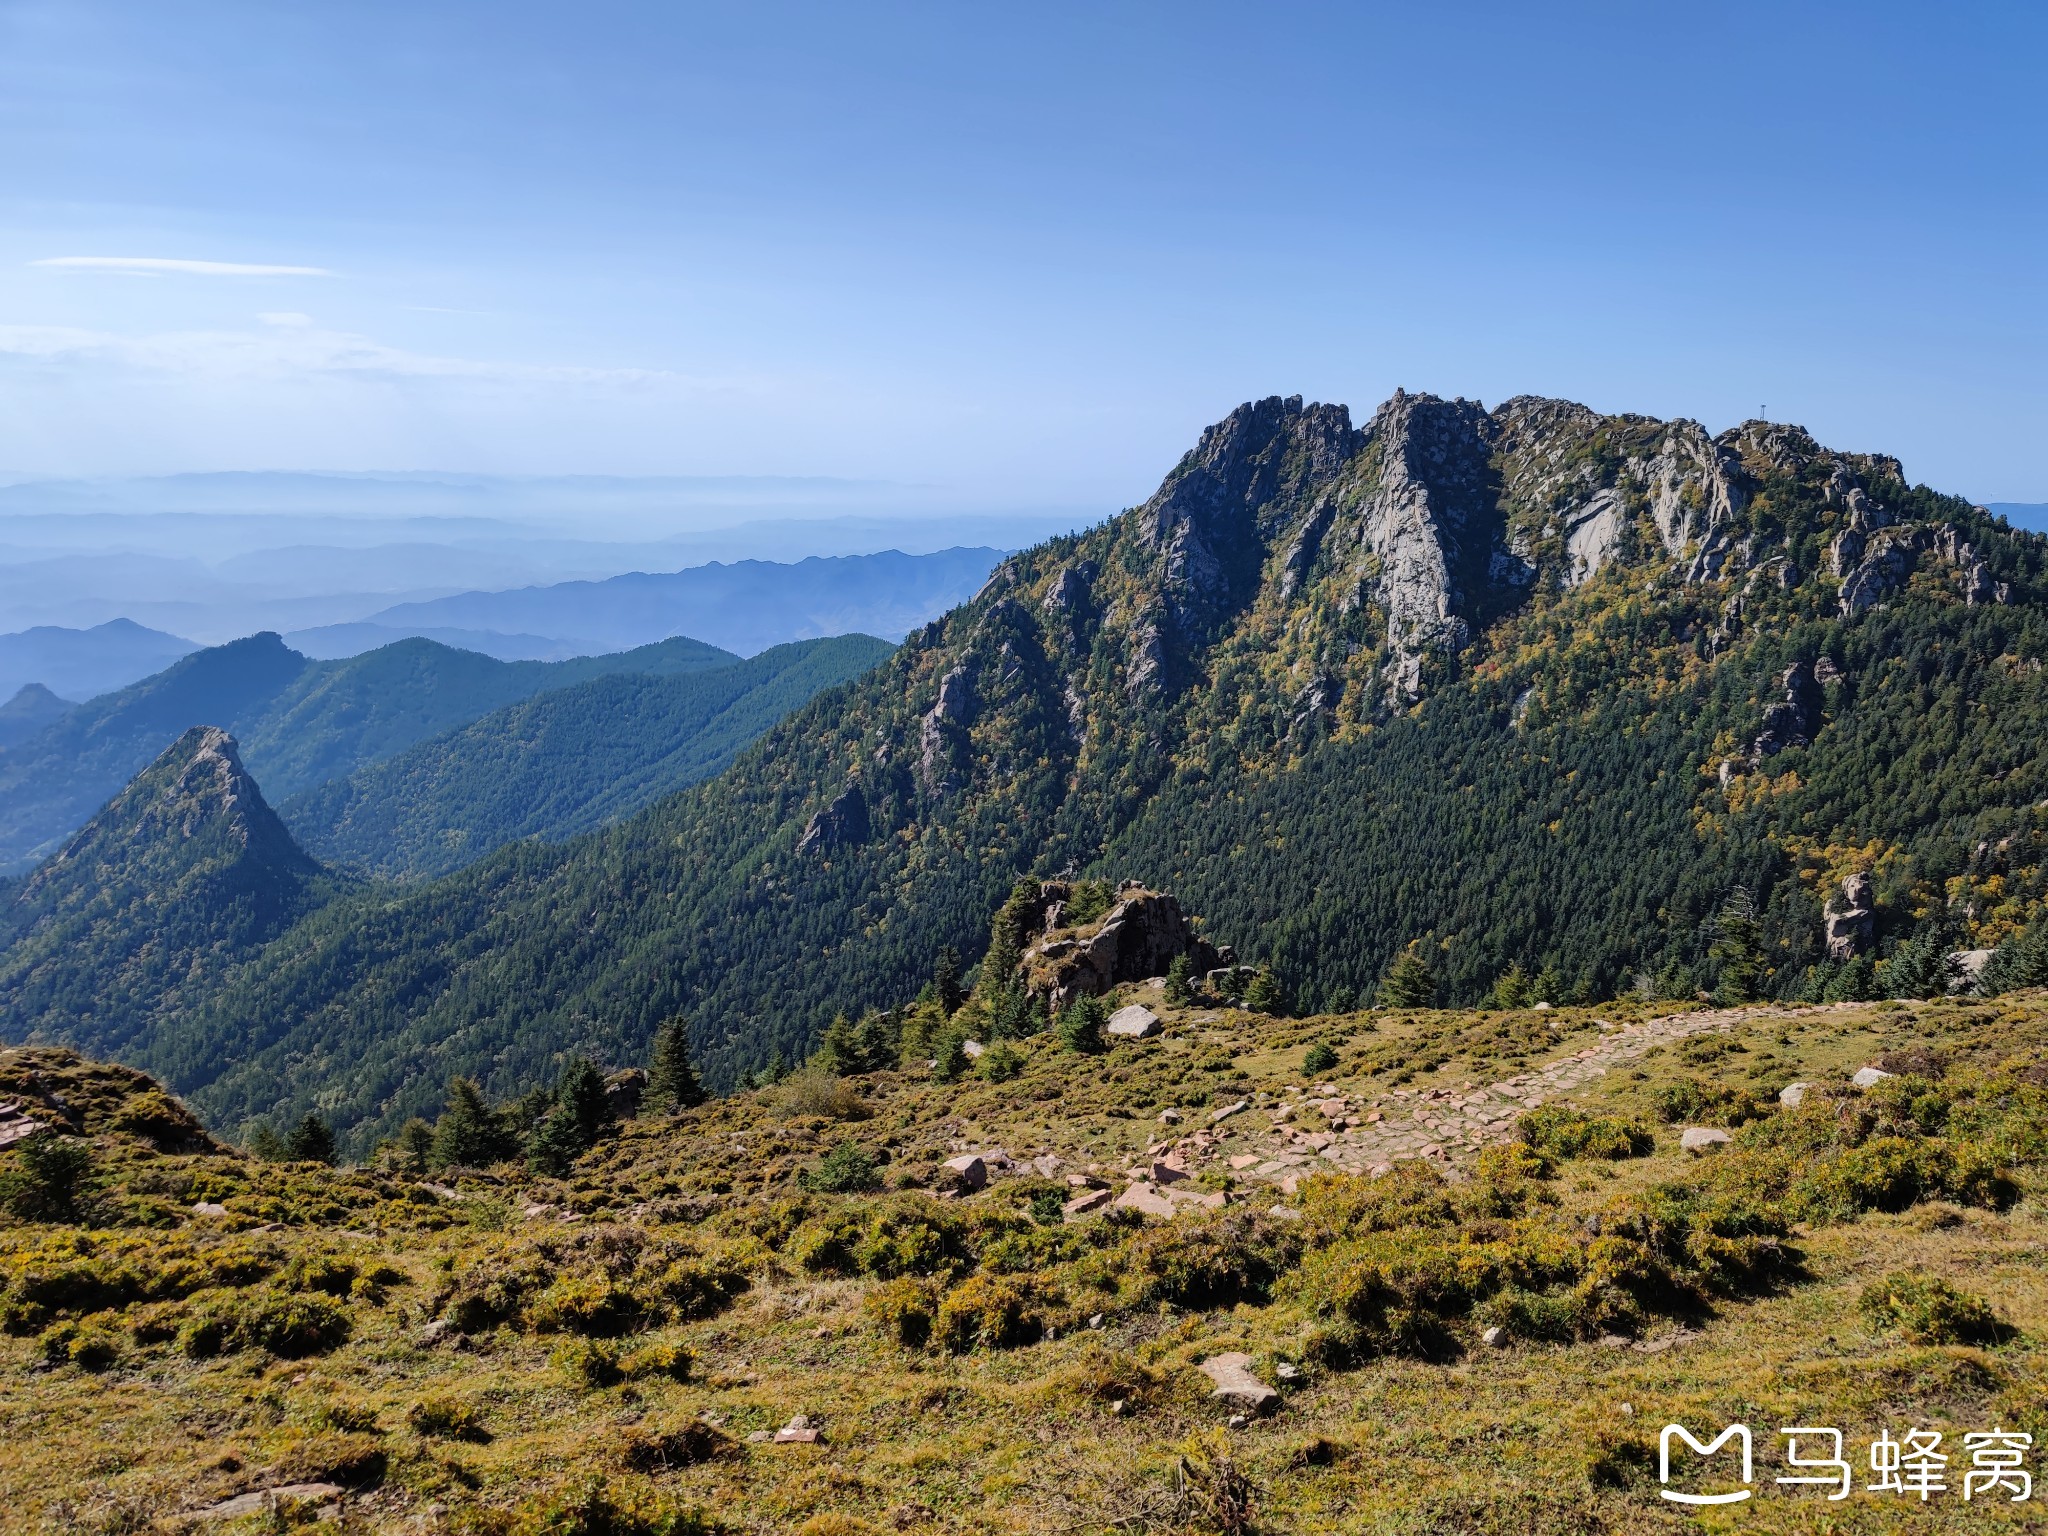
(1317, 1129)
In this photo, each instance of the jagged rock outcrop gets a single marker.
(1137, 938)
(1795, 719)
(1850, 919)
(843, 823)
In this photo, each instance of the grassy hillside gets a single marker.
(612, 1351)
(300, 722)
(564, 761)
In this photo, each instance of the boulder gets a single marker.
(623, 1092)
(973, 1050)
(208, 1208)
(1135, 1022)
(799, 1431)
(269, 1501)
(1235, 1383)
(1703, 1138)
(1869, 1077)
(1849, 923)
(1167, 1170)
(1146, 1199)
(1965, 966)
(972, 1171)
(1228, 1110)
(1086, 1201)
(1792, 1095)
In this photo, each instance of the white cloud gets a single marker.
(173, 264)
(292, 346)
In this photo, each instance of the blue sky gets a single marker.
(1019, 253)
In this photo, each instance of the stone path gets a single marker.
(1369, 1133)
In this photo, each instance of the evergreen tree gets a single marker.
(2021, 961)
(416, 1144)
(1263, 995)
(839, 1051)
(1738, 946)
(1855, 982)
(946, 990)
(266, 1145)
(311, 1141)
(1080, 1027)
(1408, 982)
(581, 1092)
(468, 1134)
(1180, 981)
(1001, 1062)
(1922, 967)
(950, 1053)
(45, 1178)
(556, 1143)
(1511, 989)
(1320, 1059)
(1006, 940)
(671, 1076)
(878, 1036)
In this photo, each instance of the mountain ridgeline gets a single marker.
(1524, 687)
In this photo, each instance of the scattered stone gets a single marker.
(1614, 1341)
(1869, 1077)
(1228, 1110)
(1238, 1420)
(1134, 1022)
(1283, 1213)
(1082, 1204)
(1703, 1138)
(1095, 1321)
(1792, 1095)
(799, 1431)
(1235, 1383)
(1169, 1117)
(1048, 1165)
(972, 1049)
(1167, 1170)
(208, 1208)
(1290, 1373)
(1116, 1409)
(1542, 1007)
(1245, 1160)
(972, 1170)
(270, 1500)
(1495, 1337)
(1145, 1199)
(761, 1437)
(1084, 1181)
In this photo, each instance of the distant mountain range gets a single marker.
(745, 607)
(80, 664)
(563, 761)
(299, 722)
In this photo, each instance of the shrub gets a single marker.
(673, 1361)
(848, 1168)
(1510, 1160)
(1206, 1264)
(669, 1450)
(592, 1305)
(1566, 1133)
(316, 1272)
(815, 1091)
(989, 1312)
(291, 1327)
(904, 1310)
(1928, 1310)
(439, 1416)
(1320, 1059)
(91, 1345)
(1001, 1062)
(587, 1363)
(47, 1178)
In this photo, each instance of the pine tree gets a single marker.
(1180, 981)
(416, 1144)
(1080, 1027)
(1005, 942)
(266, 1145)
(468, 1134)
(671, 1076)
(1408, 982)
(1320, 1059)
(1263, 995)
(556, 1143)
(950, 1053)
(311, 1141)
(1512, 988)
(581, 1092)
(839, 1050)
(946, 989)
(1738, 946)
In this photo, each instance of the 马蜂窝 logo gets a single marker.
(1912, 1466)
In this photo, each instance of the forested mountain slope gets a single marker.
(185, 872)
(561, 762)
(1530, 685)
(301, 722)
